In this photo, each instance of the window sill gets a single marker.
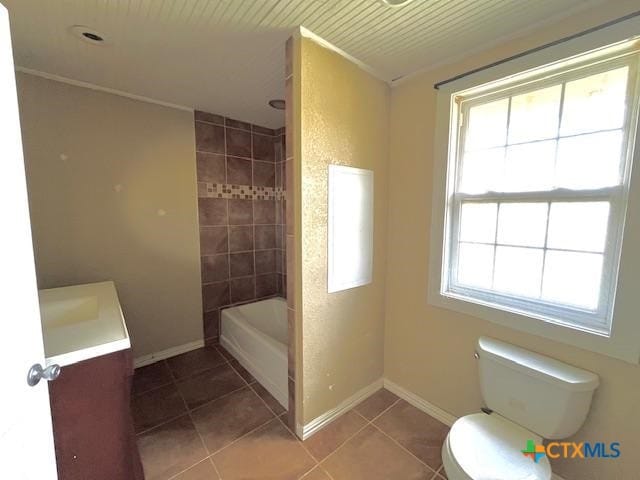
(610, 346)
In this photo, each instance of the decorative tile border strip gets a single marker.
(245, 192)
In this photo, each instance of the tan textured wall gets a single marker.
(344, 119)
(428, 350)
(85, 230)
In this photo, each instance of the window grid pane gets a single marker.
(539, 166)
(513, 268)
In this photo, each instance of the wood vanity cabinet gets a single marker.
(92, 424)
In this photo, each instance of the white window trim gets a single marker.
(623, 342)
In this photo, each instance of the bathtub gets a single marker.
(256, 335)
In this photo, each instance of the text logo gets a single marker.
(571, 450)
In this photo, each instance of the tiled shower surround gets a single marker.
(240, 205)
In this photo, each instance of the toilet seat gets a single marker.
(489, 447)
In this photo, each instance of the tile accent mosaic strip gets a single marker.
(245, 192)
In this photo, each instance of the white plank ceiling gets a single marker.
(226, 56)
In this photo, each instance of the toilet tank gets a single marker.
(546, 396)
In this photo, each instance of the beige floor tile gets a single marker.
(196, 361)
(169, 449)
(418, 432)
(370, 455)
(157, 406)
(271, 402)
(271, 452)
(376, 404)
(202, 471)
(333, 435)
(210, 385)
(222, 421)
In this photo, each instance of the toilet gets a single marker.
(528, 397)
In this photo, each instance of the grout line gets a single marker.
(208, 402)
(304, 447)
(188, 468)
(189, 412)
(367, 423)
(153, 389)
(162, 424)
(382, 412)
(404, 448)
(241, 437)
(216, 468)
(345, 442)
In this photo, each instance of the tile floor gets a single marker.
(201, 416)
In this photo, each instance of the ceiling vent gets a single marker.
(396, 3)
(87, 34)
(278, 104)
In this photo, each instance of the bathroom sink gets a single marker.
(81, 322)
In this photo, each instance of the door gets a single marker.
(26, 438)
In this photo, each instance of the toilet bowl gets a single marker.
(489, 447)
(529, 397)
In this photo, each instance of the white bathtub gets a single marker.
(256, 335)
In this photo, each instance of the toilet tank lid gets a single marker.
(539, 366)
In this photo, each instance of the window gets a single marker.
(538, 180)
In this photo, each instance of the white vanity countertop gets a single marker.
(81, 322)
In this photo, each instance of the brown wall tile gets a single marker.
(241, 264)
(264, 174)
(213, 240)
(266, 285)
(209, 138)
(264, 130)
(239, 171)
(279, 261)
(237, 153)
(290, 253)
(264, 212)
(265, 261)
(230, 122)
(263, 148)
(265, 236)
(211, 167)
(242, 289)
(211, 324)
(215, 295)
(238, 142)
(212, 211)
(241, 212)
(215, 268)
(208, 117)
(240, 238)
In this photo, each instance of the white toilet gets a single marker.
(530, 397)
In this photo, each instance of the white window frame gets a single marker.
(614, 332)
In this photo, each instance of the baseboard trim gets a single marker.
(169, 352)
(306, 431)
(420, 403)
(429, 408)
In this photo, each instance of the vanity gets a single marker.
(85, 334)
